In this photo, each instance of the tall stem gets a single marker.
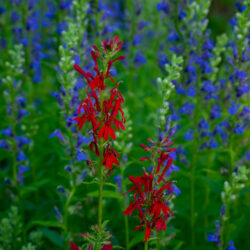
(100, 196)
(146, 246)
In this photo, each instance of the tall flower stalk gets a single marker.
(152, 190)
(102, 109)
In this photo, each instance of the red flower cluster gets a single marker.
(73, 246)
(102, 107)
(152, 190)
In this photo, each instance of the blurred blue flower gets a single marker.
(57, 133)
(4, 144)
(21, 170)
(231, 246)
(233, 109)
(186, 108)
(21, 156)
(223, 210)
(139, 58)
(213, 238)
(81, 156)
(118, 180)
(7, 131)
(176, 190)
(189, 135)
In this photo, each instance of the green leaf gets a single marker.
(53, 236)
(139, 237)
(106, 194)
(48, 223)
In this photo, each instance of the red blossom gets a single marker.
(73, 246)
(107, 247)
(110, 158)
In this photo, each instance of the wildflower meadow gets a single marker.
(124, 124)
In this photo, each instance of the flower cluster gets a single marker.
(152, 190)
(101, 108)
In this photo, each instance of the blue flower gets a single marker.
(186, 108)
(215, 112)
(171, 169)
(189, 135)
(223, 210)
(191, 91)
(21, 156)
(57, 212)
(118, 180)
(139, 58)
(213, 143)
(81, 156)
(22, 140)
(68, 168)
(57, 133)
(217, 226)
(4, 144)
(21, 170)
(61, 189)
(241, 75)
(233, 109)
(209, 87)
(82, 139)
(176, 190)
(142, 24)
(137, 39)
(203, 124)
(231, 246)
(163, 6)
(172, 131)
(239, 129)
(213, 238)
(83, 175)
(7, 131)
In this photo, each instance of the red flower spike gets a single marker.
(148, 199)
(73, 246)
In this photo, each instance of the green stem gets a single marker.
(146, 246)
(100, 196)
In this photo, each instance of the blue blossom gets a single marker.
(172, 131)
(189, 135)
(215, 112)
(21, 156)
(213, 238)
(239, 129)
(118, 180)
(175, 189)
(21, 170)
(163, 6)
(186, 108)
(81, 156)
(7, 131)
(82, 139)
(191, 91)
(4, 144)
(61, 189)
(223, 210)
(171, 169)
(217, 225)
(241, 75)
(231, 246)
(204, 124)
(57, 212)
(233, 109)
(142, 25)
(83, 175)
(137, 39)
(57, 133)
(213, 143)
(22, 140)
(139, 58)
(209, 87)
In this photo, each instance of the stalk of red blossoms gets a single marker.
(102, 109)
(152, 190)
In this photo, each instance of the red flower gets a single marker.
(150, 198)
(73, 246)
(110, 156)
(107, 247)
(106, 131)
